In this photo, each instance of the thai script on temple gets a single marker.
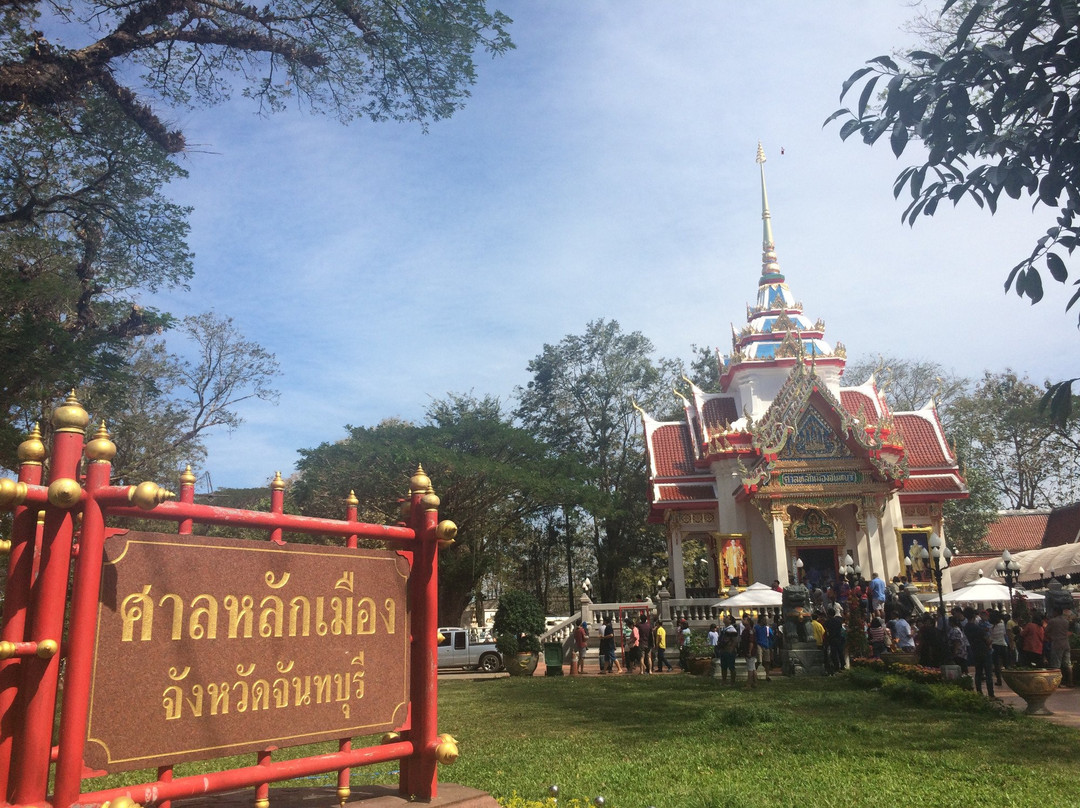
(286, 689)
(243, 616)
(818, 477)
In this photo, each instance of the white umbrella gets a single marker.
(987, 590)
(756, 596)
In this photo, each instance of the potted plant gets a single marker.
(519, 621)
(1033, 684)
(699, 654)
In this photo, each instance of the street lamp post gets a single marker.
(940, 556)
(1009, 570)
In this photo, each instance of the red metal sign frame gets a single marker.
(47, 538)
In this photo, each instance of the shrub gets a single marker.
(518, 622)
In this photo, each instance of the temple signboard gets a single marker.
(209, 647)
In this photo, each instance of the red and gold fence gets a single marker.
(64, 522)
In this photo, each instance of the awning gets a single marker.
(1060, 560)
(987, 590)
(755, 596)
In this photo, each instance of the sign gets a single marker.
(819, 477)
(210, 647)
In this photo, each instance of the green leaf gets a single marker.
(1057, 267)
(864, 98)
(835, 115)
(849, 128)
(899, 139)
(858, 74)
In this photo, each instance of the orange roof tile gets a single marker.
(671, 448)
(1017, 531)
(922, 441)
(718, 411)
(685, 492)
(1063, 526)
(855, 400)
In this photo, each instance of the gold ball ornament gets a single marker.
(65, 493)
(187, 476)
(12, 492)
(101, 448)
(390, 737)
(32, 450)
(446, 532)
(47, 649)
(148, 495)
(447, 753)
(419, 482)
(430, 501)
(121, 802)
(70, 416)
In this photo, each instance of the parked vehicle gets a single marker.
(468, 648)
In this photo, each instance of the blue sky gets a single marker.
(604, 168)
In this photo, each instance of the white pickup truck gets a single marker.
(468, 648)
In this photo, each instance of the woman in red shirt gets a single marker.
(1031, 641)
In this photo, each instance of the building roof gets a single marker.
(1017, 530)
(924, 442)
(1062, 526)
(671, 449)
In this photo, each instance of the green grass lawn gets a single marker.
(678, 741)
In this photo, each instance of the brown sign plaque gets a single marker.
(211, 647)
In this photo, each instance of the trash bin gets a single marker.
(553, 658)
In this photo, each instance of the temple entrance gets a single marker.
(820, 565)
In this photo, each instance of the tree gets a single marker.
(170, 401)
(407, 60)
(581, 402)
(992, 101)
(1030, 461)
(493, 480)
(909, 383)
(83, 225)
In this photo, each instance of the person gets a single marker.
(1057, 631)
(728, 646)
(836, 638)
(713, 638)
(646, 641)
(1031, 641)
(977, 631)
(876, 593)
(958, 644)
(876, 635)
(607, 647)
(633, 649)
(999, 644)
(581, 644)
(905, 640)
(734, 557)
(748, 650)
(763, 637)
(684, 643)
(660, 640)
(817, 625)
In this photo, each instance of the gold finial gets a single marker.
(351, 500)
(65, 493)
(343, 794)
(187, 476)
(390, 737)
(430, 501)
(101, 449)
(121, 802)
(70, 416)
(419, 482)
(447, 750)
(148, 495)
(446, 532)
(5, 546)
(47, 649)
(12, 492)
(262, 802)
(32, 450)
(277, 484)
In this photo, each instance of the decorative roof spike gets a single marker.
(769, 265)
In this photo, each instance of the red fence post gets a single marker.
(80, 647)
(17, 593)
(419, 779)
(38, 677)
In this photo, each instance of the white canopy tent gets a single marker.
(1034, 564)
(985, 591)
(755, 596)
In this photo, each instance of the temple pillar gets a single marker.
(677, 579)
(779, 523)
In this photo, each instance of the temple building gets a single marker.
(787, 470)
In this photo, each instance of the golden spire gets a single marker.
(767, 242)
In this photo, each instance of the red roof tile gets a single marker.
(718, 411)
(1017, 531)
(935, 483)
(855, 400)
(922, 441)
(685, 493)
(671, 448)
(1062, 526)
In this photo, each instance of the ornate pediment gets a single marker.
(814, 438)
